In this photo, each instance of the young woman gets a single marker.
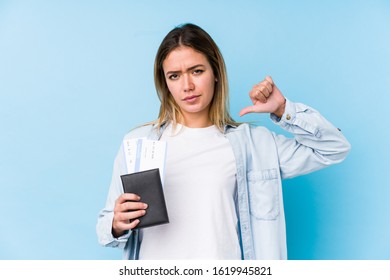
(223, 179)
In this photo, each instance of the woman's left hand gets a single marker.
(266, 98)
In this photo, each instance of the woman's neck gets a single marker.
(195, 121)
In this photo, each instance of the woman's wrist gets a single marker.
(280, 111)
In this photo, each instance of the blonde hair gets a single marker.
(192, 36)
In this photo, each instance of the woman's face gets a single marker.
(190, 80)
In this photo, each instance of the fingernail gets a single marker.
(145, 206)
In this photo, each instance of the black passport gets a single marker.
(147, 184)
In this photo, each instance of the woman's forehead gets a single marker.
(184, 56)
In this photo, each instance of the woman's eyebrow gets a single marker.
(188, 69)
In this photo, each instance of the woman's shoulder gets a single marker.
(141, 131)
(250, 133)
(249, 128)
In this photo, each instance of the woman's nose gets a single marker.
(188, 83)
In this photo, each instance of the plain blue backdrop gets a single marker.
(75, 76)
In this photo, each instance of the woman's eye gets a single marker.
(198, 71)
(173, 76)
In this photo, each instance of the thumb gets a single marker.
(247, 110)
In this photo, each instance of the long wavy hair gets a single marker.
(192, 36)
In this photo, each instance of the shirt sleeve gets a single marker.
(106, 215)
(104, 224)
(316, 143)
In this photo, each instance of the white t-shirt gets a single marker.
(200, 191)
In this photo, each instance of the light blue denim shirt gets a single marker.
(263, 159)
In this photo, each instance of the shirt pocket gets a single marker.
(263, 194)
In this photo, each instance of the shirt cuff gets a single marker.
(288, 116)
(295, 119)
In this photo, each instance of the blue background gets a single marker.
(75, 76)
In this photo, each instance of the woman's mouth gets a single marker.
(191, 98)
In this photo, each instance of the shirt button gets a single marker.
(288, 117)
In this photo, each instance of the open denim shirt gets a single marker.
(263, 159)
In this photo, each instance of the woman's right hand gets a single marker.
(128, 209)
